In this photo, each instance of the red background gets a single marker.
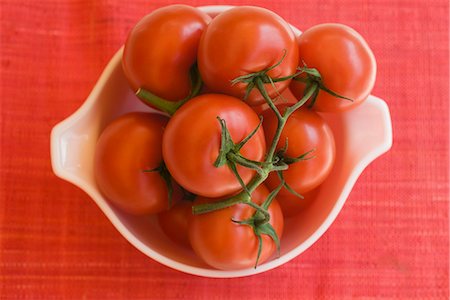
(390, 241)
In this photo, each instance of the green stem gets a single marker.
(242, 197)
(243, 161)
(313, 77)
(208, 207)
(276, 138)
(313, 89)
(281, 119)
(258, 179)
(278, 79)
(261, 210)
(262, 90)
(249, 136)
(233, 168)
(162, 104)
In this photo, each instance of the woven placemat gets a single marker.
(390, 241)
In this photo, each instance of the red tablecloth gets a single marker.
(390, 241)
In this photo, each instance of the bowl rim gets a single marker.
(63, 126)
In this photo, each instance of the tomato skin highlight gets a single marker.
(192, 141)
(236, 43)
(305, 130)
(126, 148)
(345, 62)
(226, 245)
(161, 49)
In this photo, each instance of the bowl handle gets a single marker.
(65, 146)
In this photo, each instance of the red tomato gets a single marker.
(126, 148)
(226, 245)
(174, 222)
(245, 40)
(305, 130)
(291, 204)
(345, 62)
(192, 141)
(161, 49)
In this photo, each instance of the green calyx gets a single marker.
(311, 77)
(251, 79)
(261, 226)
(170, 107)
(287, 186)
(259, 230)
(285, 160)
(229, 153)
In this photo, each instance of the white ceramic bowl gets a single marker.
(361, 134)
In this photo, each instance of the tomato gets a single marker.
(192, 141)
(161, 49)
(227, 245)
(345, 62)
(291, 204)
(126, 148)
(305, 131)
(245, 40)
(174, 222)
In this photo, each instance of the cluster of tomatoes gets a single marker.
(229, 156)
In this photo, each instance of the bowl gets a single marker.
(362, 134)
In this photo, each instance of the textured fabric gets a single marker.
(391, 239)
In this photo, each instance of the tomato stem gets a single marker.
(290, 160)
(249, 136)
(226, 144)
(232, 166)
(171, 107)
(209, 207)
(313, 77)
(162, 104)
(287, 186)
(239, 159)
